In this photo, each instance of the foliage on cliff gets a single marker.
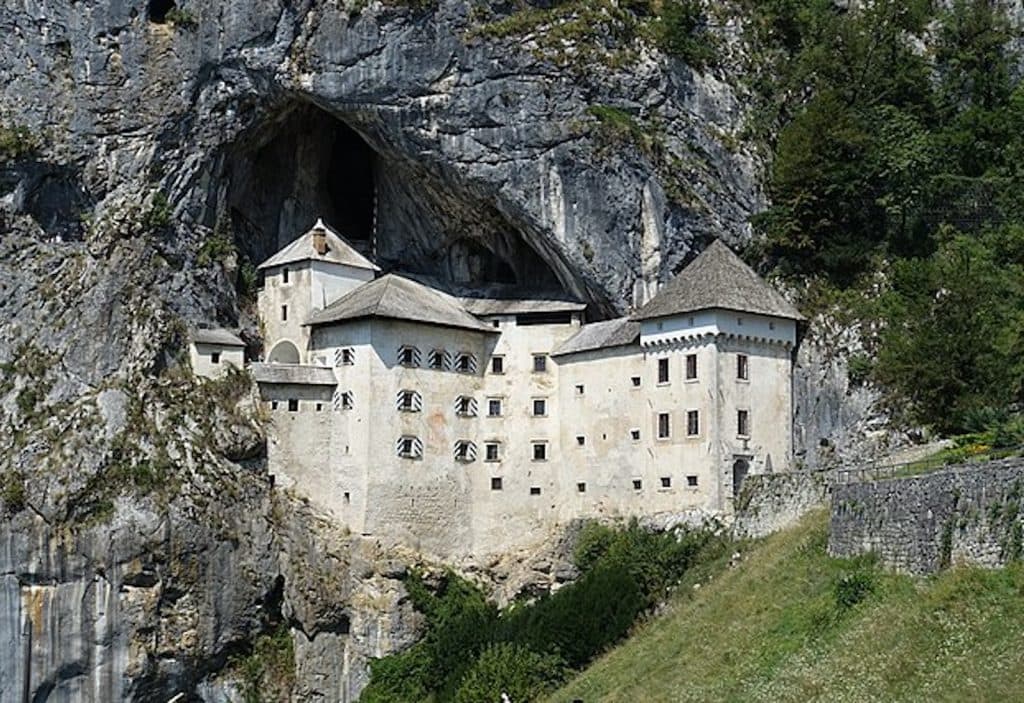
(789, 623)
(473, 652)
(898, 168)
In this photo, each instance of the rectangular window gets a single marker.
(691, 481)
(637, 484)
(535, 490)
(666, 482)
(634, 434)
(663, 371)
(437, 359)
(581, 487)
(465, 406)
(497, 364)
(580, 389)
(348, 356)
(540, 407)
(691, 367)
(215, 358)
(319, 407)
(540, 363)
(692, 423)
(635, 380)
(409, 401)
(742, 367)
(494, 407)
(743, 423)
(293, 405)
(492, 451)
(409, 356)
(465, 363)
(496, 483)
(581, 440)
(273, 405)
(664, 426)
(284, 313)
(540, 451)
(284, 275)
(409, 447)
(347, 402)
(465, 451)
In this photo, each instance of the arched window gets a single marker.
(284, 352)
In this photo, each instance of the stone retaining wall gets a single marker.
(772, 502)
(920, 524)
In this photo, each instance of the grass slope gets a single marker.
(773, 629)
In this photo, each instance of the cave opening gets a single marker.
(158, 9)
(306, 163)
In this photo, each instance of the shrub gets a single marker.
(182, 18)
(12, 491)
(855, 584)
(267, 673)
(515, 670)
(16, 142)
(159, 214)
(682, 33)
(217, 248)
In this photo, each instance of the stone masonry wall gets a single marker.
(772, 502)
(918, 525)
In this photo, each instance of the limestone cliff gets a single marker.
(152, 154)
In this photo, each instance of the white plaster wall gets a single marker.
(668, 330)
(201, 357)
(296, 295)
(331, 281)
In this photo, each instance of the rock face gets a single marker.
(166, 151)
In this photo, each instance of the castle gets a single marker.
(468, 426)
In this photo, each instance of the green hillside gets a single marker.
(791, 624)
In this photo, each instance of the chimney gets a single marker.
(320, 237)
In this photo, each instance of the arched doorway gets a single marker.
(284, 353)
(740, 469)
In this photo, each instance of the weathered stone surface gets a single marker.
(965, 514)
(772, 502)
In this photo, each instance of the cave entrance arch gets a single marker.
(284, 352)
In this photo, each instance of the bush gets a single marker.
(854, 585)
(681, 33)
(12, 491)
(16, 142)
(515, 670)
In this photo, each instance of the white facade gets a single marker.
(212, 352)
(470, 440)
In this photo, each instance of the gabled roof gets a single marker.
(717, 279)
(338, 251)
(218, 336)
(619, 332)
(393, 296)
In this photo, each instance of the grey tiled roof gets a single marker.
(399, 298)
(219, 336)
(338, 251)
(520, 306)
(619, 332)
(717, 279)
(293, 374)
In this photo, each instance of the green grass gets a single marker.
(791, 624)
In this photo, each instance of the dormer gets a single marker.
(322, 262)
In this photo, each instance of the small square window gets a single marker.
(691, 481)
(666, 482)
(540, 363)
(495, 323)
(581, 487)
(581, 440)
(664, 426)
(494, 407)
(540, 407)
(273, 405)
(637, 484)
(540, 451)
(742, 367)
(535, 490)
(284, 313)
(692, 423)
(492, 451)
(691, 367)
(635, 380)
(580, 389)
(634, 434)
(319, 407)
(663, 376)
(496, 483)
(293, 405)
(215, 358)
(497, 364)
(409, 356)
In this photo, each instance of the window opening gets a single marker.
(663, 376)
(664, 426)
(743, 423)
(635, 435)
(409, 356)
(409, 401)
(540, 451)
(540, 363)
(492, 451)
(438, 359)
(637, 484)
(496, 483)
(742, 367)
(497, 364)
(465, 451)
(215, 358)
(535, 490)
(284, 313)
(692, 422)
(409, 447)
(494, 407)
(666, 482)
(691, 367)
(581, 487)
(691, 481)
(293, 405)
(540, 407)
(465, 363)
(581, 440)
(635, 380)
(284, 275)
